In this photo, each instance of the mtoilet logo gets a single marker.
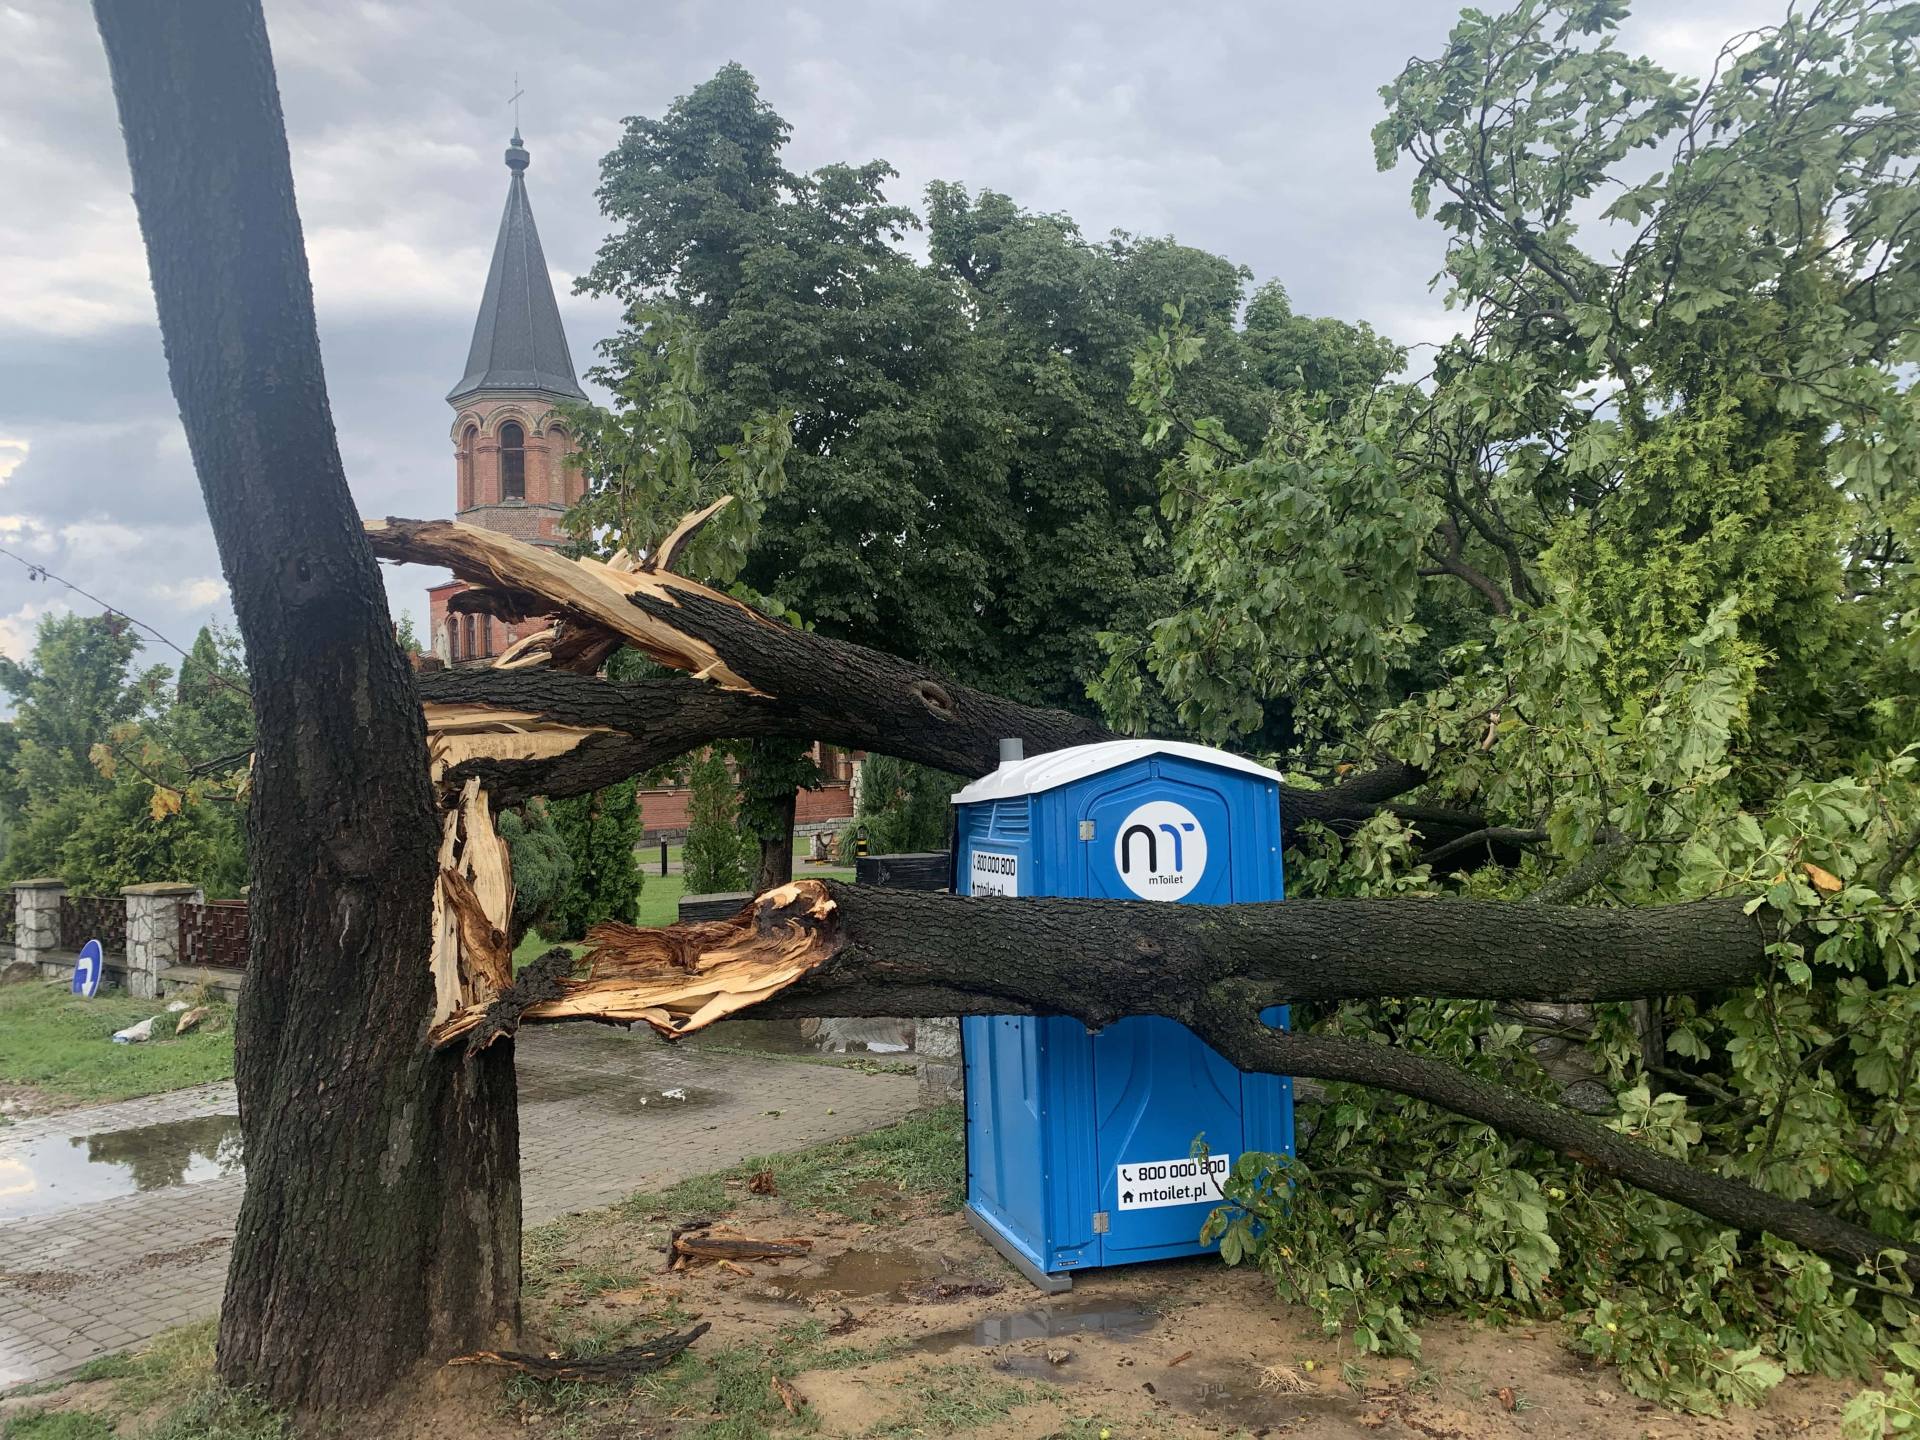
(1161, 851)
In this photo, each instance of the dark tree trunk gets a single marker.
(776, 846)
(381, 1221)
(656, 721)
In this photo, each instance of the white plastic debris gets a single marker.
(674, 1094)
(174, 1007)
(134, 1034)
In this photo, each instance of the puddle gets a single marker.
(859, 1272)
(1232, 1396)
(811, 1037)
(61, 1171)
(1048, 1322)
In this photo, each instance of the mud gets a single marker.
(57, 1171)
(1184, 1348)
(857, 1274)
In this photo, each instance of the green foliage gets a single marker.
(57, 1425)
(542, 864)
(771, 773)
(645, 461)
(904, 808)
(117, 778)
(965, 477)
(1632, 566)
(599, 833)
(716, 856)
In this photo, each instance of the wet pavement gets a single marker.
(114, 1219)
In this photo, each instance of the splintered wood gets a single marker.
(704, 1243)
(681, 979)
(593, 598)
(472, 959)
(676, 981)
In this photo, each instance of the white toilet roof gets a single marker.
(1063, 767)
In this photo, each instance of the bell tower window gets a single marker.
(469, 444)
(513, 462)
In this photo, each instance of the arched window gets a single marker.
(453, 637)
(513, 462)
(471, 652)
(486, 631)
(469, 443)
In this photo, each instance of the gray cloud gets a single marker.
(1238, 126)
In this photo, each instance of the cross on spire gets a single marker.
(514, 100)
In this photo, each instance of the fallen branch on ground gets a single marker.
(641, 1359)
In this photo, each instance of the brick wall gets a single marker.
(663, 812)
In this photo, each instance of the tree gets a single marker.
(812, 946)
(714, 856)
(904, 808)
(1632, 569)
(161, 760)
(354, 1258)
(599, 832)
(542, 865)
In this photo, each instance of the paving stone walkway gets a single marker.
(85, 1271)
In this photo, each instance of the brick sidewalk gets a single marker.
(595, 1125)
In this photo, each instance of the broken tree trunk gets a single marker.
(819, 948)
(755, 677)
(381, 1222)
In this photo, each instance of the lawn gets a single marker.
(62, 1045)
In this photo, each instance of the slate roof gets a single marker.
(518, 343)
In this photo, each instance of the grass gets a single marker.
(725, 1393)
(57, 1425)
(947, 1399)
(171, 1382)
(59, 1043)
(922, 1156)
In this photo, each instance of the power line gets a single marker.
(37, 571)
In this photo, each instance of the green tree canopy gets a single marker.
(122, 776)
(1630, 569)
(966, 483)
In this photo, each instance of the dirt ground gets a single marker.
(906, 1323)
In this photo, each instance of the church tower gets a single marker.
(510, 443)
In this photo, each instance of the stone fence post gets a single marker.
(153, 932)
(36, 923)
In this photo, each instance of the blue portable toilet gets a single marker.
(1079, 1146)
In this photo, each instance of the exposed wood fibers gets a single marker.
(684, 978)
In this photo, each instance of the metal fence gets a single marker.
(214, 934)
(7, 917)
(93, 917)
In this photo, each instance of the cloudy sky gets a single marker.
(1239, 127)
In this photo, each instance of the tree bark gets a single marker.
(651, 722)
(380, 1226)
(776, 848)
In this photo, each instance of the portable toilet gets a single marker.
(1079, 1145)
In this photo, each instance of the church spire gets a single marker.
(518, 343)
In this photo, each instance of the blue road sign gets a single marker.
(86, 974)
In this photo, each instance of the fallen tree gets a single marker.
(380, 1227)
(751, 677)
(819, 948)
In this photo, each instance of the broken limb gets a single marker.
(816, 948)
(752, 676)
(642, 1359)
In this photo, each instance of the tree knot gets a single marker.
(934, 696)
